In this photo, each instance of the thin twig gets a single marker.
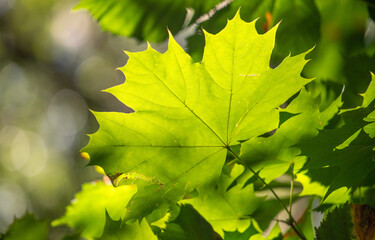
(207, 16)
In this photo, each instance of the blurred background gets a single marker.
(54, 62)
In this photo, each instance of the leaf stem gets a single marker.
(292, 222)
(291, 189)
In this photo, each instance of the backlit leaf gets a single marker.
(189, 115)
(87, 212)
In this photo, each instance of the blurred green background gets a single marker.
(54, 62)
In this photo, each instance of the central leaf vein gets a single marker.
(200, 119)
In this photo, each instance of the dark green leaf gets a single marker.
(189, 225)
(347, 151)
(116, 230)
(236, 235)
(26, 228)
(336, 225)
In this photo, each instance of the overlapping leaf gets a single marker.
(336, 225)
(188, 115)
(228, 210)
(116, 230)
(274, 154)
(245, 235)
(344, 157)
(87, 213)
(188, 225)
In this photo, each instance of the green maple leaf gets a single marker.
(145, 19)
(87, 212)
(344, 156)
(189, 115)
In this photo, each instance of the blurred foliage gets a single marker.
(47, 85)
(299, 18)
(147, 19)
(26, 228)
(344, 54)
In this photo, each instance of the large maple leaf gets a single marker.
(189, 115)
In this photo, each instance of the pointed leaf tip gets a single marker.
(238, 13)
(85, 155)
